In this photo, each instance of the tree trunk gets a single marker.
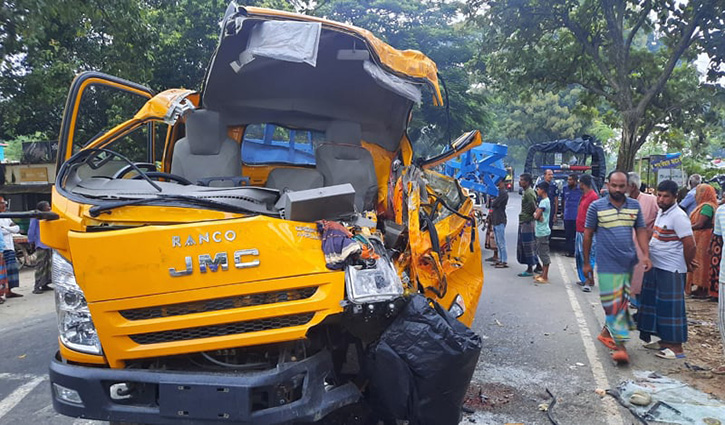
(629, 146)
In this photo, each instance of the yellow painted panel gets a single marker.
(136, 262)
(77, 357)
(382, 160)
(115, 330)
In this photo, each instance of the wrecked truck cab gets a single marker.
(222, 255)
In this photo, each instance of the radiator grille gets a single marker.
(222, 330)
(217, 304)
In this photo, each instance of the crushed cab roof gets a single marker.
(305, 72)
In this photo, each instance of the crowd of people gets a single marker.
(650, 251)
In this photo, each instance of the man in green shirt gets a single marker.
(526, 244)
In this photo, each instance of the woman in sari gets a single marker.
(698, 281)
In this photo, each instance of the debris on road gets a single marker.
(550, 408)
(486, 396)
(640, 398)
(670, 401)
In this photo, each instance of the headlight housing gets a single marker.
(75, 325)
(376, 284)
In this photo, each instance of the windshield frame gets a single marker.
(176, 200)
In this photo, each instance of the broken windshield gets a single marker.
(109, 180)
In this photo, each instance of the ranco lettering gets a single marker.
(220, 261)
(202, 238)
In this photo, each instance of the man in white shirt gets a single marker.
(9, 228)
(662, 302)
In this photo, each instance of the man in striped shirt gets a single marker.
(662, 302)
(613, 218)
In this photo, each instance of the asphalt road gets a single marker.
(536, 337)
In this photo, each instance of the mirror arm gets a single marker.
(40, 215)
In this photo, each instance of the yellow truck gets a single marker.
(222, 255)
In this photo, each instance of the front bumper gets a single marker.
(203, 397)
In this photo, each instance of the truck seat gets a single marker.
(342, 159)
(293, 179)
(206, 151)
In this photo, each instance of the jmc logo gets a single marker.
(243, 259)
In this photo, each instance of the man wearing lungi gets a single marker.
(612, 218)
(648, 205)
(43, 276)
(662, 301)
(526, 243)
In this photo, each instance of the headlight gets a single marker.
(380, 283)
(458, 308)
(75, 325)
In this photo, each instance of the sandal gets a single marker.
(525, 274)
(668, 354)
(501, 265)
(539, 279)
(654, 345)
(620, 356)
(608, 342)
(586, 288)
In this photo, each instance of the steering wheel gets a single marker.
(167, 176)
(128, 168)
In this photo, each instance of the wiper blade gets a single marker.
(97, 210)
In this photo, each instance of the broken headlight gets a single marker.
(373, 284)
(75, 325)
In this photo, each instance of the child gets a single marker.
(542, 230)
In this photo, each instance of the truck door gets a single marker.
(96, 103)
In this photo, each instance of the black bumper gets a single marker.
(202, 397)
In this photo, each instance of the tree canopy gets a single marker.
(522, 71)
(628, 54)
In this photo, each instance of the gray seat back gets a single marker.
(294, 179)
(342, 160)
(206, 151)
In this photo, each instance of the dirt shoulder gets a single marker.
(704, 350)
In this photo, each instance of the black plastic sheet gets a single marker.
(422, 365)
